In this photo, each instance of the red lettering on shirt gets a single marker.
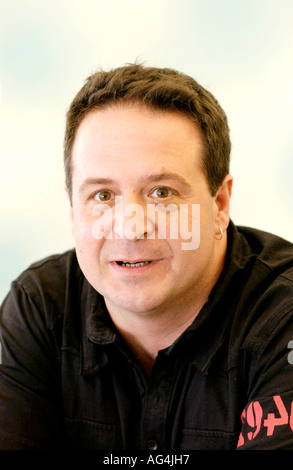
(253, 417)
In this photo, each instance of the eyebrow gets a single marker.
(168, 176)
(95, 182)
(148, 179)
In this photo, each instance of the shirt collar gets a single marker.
(97, 330)
(211, 327)
(204, 338)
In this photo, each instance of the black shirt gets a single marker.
(68, 381)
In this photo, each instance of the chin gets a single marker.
(137, 298)
(138, 304)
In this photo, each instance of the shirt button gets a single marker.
(152, 445)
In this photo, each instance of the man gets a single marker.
(167, 327)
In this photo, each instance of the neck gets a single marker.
(146, 335)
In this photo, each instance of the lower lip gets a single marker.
(134, 270)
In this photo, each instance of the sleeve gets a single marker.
(30, 402)
(267, 418)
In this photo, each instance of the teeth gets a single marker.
(134, 265)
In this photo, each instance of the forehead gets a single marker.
(135, 136)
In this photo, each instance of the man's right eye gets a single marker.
(103, 196)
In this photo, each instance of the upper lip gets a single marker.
(137, 259)
(132, 261)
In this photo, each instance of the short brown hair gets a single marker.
(159, 89)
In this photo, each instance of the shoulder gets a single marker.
(50, 273)
(266, 295)
(266, 261)
(272, 252)
(50, 286)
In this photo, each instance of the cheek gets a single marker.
(83, 233)
(88, 251)
(207, 220)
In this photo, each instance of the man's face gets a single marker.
(132, 155)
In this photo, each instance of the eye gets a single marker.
(103, 196)
(162, 192)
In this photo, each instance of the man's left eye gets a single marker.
(161, 193)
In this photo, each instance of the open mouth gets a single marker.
(133, 265)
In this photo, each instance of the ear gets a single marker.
(222, 203)
(70, 202)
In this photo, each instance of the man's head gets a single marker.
(158, 89)
(148, 138)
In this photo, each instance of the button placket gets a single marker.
(152, 444)
(156, 404)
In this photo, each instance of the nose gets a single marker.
(132, 222)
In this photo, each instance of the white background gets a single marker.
(241, 50)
